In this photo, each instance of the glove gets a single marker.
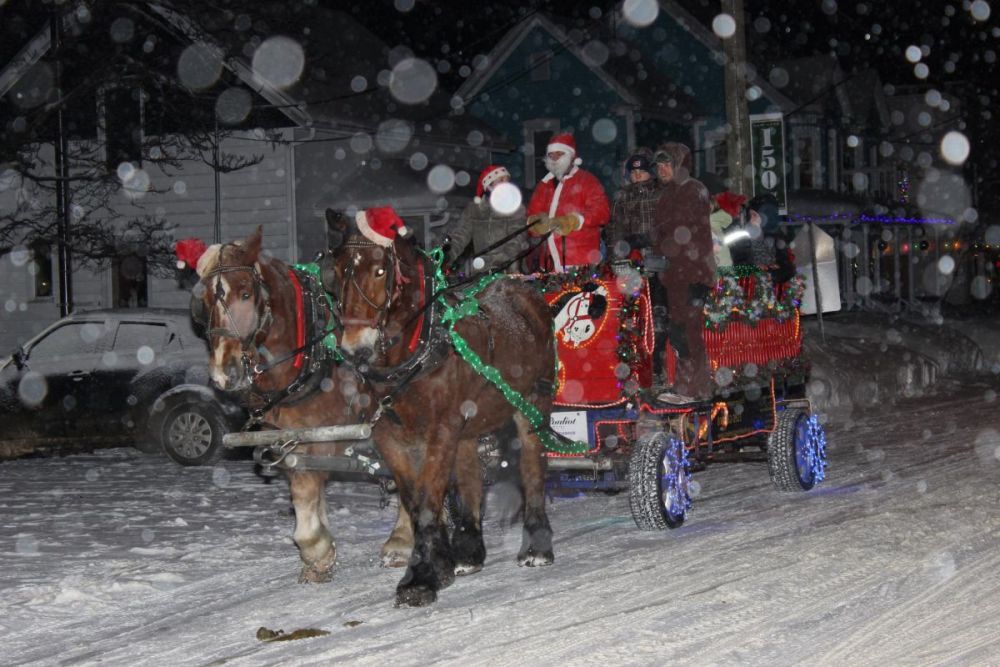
(565, 224)
(540, 224)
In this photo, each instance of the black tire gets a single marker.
(796, 455)
(658, 482)
(191, 432)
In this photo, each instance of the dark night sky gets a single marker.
(863, 33)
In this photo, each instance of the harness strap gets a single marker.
(300, 327)
(418, 330)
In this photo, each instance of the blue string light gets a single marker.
(816, 449)
(676, 477)
(866, 218)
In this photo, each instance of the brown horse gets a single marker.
(435, 404)
(264, 323)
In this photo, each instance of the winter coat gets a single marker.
(578, 192)
(682, 232)
(632, 215)
(482, 226)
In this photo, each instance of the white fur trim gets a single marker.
(492, 177)
(478, 200)
(362, 219)
(577, 161)
(208, 259)
(551, 148)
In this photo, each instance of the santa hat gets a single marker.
(487, 178)
(565, 143)
(730, 202)
(381, 225)
(188, 252)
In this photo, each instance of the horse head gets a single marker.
(232, 302)
(367, 278)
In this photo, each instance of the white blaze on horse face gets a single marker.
(357, 338)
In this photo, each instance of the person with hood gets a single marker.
(682, 234)
(485, 222)
(569, 202)
(633, 208)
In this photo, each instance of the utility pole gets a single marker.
(737, 114)
(62, 180)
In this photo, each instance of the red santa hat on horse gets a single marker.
(381, 225)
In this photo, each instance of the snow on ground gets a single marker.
(117, 558)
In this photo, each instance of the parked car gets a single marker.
(110, 377)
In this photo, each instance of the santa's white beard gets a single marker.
(559, 167)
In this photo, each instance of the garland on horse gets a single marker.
(432, 404)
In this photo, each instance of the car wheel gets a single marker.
(191, 433)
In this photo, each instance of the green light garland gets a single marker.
(467, 306)
(330, 340)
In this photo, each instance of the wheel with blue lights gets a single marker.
(659, 482)
(796, 451)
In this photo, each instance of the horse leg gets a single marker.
(397, 549)
(467, 545)
(536, 541)
(312, 527)
(432, 566)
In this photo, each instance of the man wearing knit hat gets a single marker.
(570, 202)
(633, 208)
(487, 220)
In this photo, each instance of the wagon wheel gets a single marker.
(659, 478)
(796, 451)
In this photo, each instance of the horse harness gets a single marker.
(313, 359)
(431, 344)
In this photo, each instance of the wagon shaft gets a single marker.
(301, 435)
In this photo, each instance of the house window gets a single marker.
(129, 282)
(540, 64)
(717, 154)
(805, 156)
(121, 115)
(41, 256)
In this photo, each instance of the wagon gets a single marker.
(615, 433)
(620, 436)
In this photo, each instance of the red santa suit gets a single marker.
(577, 193)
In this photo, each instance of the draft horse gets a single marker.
(264, 322)
(435, 404)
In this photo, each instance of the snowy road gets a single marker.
(120, 559)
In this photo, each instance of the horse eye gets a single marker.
(245, 296)
(379, 272)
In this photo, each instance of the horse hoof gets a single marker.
(463, 569)
(415, 596)
(532, 559)
(312, 575)
(320, 571)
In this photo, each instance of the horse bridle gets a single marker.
(261, 295)
(350, 281)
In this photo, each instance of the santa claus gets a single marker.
(569, 202)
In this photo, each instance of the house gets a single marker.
(362, 125)
(614, 84)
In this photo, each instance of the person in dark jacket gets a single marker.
(683, 234)
(484, 222)
(634, 208)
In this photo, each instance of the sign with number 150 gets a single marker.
(767, 150)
